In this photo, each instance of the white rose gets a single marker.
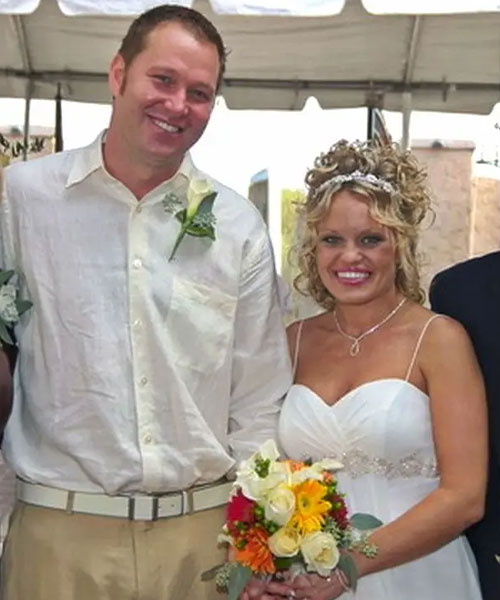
(280, 505)
(285, 542)
(8, 310)
(197, 190)
(320, 552)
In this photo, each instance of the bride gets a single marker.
(383, 384)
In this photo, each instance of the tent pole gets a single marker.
(405, 139)
(58, 131)
(27, 110)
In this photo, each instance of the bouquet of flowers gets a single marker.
(11, 307)
(285, 515)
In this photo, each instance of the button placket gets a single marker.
(137, 285)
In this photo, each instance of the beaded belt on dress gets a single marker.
(358, 463)
(133, 507)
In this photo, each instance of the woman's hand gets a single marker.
(314, 587)
(259, 589)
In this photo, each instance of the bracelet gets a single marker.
(342, 580)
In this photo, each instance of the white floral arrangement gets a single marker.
(11, 307)
(197, 219)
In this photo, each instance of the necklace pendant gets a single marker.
(354, 349)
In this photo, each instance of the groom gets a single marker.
(470, 293)
(141, 381)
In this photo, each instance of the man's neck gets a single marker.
(139, 174)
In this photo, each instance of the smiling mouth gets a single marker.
(352, 277)
(167, 126)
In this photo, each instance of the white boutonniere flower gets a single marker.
(197, 219)
(11, 308)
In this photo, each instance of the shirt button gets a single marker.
(137, 323)
(139, 208)
(148, 438)
(137, 264)
(143, 380)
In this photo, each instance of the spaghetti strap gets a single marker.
(418, 344)
(296, 350)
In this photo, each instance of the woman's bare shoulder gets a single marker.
(309, 325)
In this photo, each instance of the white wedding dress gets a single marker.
(382, 433)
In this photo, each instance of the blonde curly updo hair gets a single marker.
(395, 186)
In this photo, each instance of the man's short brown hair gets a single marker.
(134, 41)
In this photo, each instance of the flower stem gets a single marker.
(179, 239)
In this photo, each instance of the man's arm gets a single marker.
(6, 362)
(261, 372)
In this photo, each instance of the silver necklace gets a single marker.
(354, 349)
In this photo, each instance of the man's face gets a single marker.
(164, 98)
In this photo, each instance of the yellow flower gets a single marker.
(311, 507)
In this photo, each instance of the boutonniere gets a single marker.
(11, 307)
(197, 219)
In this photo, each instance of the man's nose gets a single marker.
(176, 102)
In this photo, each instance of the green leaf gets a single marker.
(364, 521)
(5, 276)
(197, 231)
(4, 334)
(347, 565)
(209, 574)
(237, 581)
(23, 305)
(206, 205)
(283, 562)
(181, 215)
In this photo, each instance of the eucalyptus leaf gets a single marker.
(206, 205)
(4, 334)
(237, 581)
(5, 276)
(23, 305)
(363, 521)
(347, 565)
(211, 573)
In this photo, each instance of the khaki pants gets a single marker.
(53, 555)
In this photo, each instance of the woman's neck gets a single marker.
(355, 319)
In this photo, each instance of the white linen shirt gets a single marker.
(136, 374)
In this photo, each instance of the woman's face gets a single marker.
(355, 255)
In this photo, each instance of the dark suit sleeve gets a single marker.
(439, 294)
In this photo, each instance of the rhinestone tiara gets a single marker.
(356, 176)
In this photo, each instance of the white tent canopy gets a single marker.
(339, 52)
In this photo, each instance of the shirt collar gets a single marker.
(90, 159)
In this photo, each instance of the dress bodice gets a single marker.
(381, 427)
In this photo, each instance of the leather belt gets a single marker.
(133, 507)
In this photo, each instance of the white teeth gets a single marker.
(352, 275)
(166, 127)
